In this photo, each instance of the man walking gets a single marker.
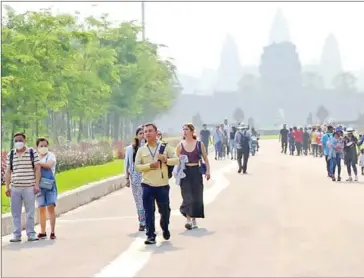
(283, 137)
(324, 141)
(218, 139)
(243, 145)
(23, 174)
(153, 166)
(205, 137)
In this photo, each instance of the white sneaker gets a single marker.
(188, 225)
(350, 179)
(356, 178)
(194, 224)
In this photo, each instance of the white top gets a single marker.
(50, 157)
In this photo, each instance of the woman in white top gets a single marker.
(134, 179)
(47, 198)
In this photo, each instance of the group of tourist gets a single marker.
(150, 163)
(31, 174)
(334, 143)
(235, 141)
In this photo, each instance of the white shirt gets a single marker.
(50, 157)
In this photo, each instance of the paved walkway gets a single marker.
(284, 218)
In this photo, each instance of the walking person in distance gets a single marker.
(243, 145)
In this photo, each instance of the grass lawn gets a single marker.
(74, 178)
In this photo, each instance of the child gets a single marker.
(361, 161)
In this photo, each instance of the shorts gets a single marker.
(47, 198)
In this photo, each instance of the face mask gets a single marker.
(43, 150)
(19, 145)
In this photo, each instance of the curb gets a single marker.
(71, 200)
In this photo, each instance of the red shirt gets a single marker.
(298, 136)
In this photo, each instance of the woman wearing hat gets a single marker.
(350, 153)
(336, 147)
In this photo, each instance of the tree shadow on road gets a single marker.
(197, 232)
(28, 245)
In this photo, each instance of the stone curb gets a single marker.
(72, 199)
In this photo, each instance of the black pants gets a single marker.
(305, 147)
(192, 193)
(351, 163)
(299, 148)
(243, 155)
(327, 165)
(284, 146)
(152, 194)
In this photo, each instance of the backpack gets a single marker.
(170, 168)
(11, 158)
(244, 140)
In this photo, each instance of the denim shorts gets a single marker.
(46, 197)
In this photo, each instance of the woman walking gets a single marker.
(134, 179)
(192, 184)
(47, 196)
(336, 147)
(351, 154)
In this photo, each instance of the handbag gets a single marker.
(47, 180)
(46, 183)
(202, 165)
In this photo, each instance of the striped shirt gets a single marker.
(23, 174)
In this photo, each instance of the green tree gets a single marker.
(91, 79)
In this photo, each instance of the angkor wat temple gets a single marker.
(279, 90)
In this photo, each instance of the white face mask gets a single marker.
(19, 145)
(43, 150)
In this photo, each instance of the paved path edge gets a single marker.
(72, 199)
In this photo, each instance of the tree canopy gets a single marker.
(66, 79)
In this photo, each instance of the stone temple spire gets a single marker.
(279, 31)
(229, 71)
(330, 60)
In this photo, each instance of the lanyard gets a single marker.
(155, 152)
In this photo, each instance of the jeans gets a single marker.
(232, 148)
(314, 150)
(327, 159)
(243, 155)
(218, 149)
(152, 194)
(284, 146)
(18, 196)
(206, 143)
(351, 163)
(335, 161)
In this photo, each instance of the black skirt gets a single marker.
(192, 193)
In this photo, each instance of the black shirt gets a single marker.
(284, 134)
(232, 135)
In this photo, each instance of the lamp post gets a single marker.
(143, 21)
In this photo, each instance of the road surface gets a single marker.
(284, 218)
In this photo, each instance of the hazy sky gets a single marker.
(194, 32)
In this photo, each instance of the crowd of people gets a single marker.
(335, 143)
(235, 141)
(150, 163)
